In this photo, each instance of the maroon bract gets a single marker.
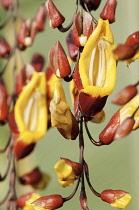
(49, 202)
(40, 18)
(32, 177)
(108, 12)
(3, 101)
(55, 17)
(6, 4)
(58, 61)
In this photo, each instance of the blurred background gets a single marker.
(111, 167)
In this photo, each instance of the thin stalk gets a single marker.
(89, 183)
(61, 28)
(90, 137)
(7, 19)
(8, 165)
(87, 10)
(7, 144)
(74, 191)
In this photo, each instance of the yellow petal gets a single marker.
(128, 109)
(122, 202)
(97, 66)
(64, 171)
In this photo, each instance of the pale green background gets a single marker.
(111, 167)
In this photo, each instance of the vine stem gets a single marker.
(88, 181)
(90, 137)
(61, 28)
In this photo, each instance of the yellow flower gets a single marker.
(97, 70)
(122, 202)
(61, 116)
(117, 198)
(31, 110)
(65, 173)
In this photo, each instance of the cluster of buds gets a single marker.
(29, 28)
(129, 51)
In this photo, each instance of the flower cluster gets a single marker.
(37, 101)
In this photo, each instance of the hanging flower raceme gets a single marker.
(61, 116)
(117, 198)
(95, 78)
(31, 111)
(67, 171)
(125, 115)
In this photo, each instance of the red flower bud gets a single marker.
(37, 62)
(21, 149)
(40, 18)
(124, 52)
(110, 196)
(82, 29)
(72, 48)
(133, 40)
(125, 95)
(4, 48)
(77, 167)
(31, 178)
(107, 135)
(26, 33)
(56, 18)
(124, 129)
(83, 200)
(6, 3)
(12, 123)
(21, 201)
(58, 61)
(108, 12)
(77, 29)
(49, 202)
(91, 4)
(3, 101)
